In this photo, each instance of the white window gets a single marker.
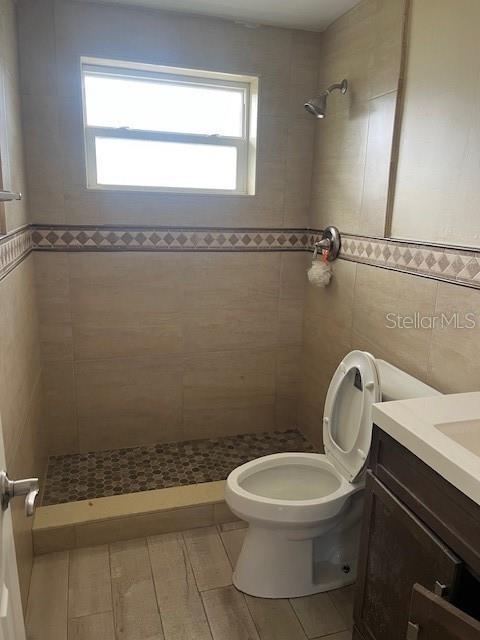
(166, 129)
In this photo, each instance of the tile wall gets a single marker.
(353, 143)
(21, 401)
(351, 312)
(149, 348)
(55, 33)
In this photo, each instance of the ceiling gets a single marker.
(313, 15)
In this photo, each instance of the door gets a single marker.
(432, 618)
(397, 550)
(11, 616)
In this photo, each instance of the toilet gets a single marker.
(304, 509)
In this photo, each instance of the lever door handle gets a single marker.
(30, 502)
(8, 196)
(29, 487)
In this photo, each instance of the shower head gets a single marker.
(318, 106)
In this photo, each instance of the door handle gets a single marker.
(9, 489)
(8, 196)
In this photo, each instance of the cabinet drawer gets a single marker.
(398, 551)
(450, 514)
(431, 618)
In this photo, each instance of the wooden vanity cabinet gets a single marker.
(419, 552)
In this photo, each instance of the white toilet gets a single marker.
(304, 509)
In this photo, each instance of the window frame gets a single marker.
(244, 144)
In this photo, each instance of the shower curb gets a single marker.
(87, 523)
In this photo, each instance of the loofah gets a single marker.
(320, 273)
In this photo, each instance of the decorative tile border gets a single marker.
(13, 249)
(116, 238)
(450, 264)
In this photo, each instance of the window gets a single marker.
(166, 129)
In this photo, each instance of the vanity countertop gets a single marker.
(443, 431)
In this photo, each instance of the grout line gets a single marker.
(257, 627)
(67, 633)
(154, 588)
(73, 347)
(225, 548)
(153, 579)
(297, 617)
(334, 635)
(114, 616)
(186, 557)
(337, 608)
(429, 368)
(89, 615)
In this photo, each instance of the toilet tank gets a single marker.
(395, 384)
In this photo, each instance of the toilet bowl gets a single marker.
(304, 509)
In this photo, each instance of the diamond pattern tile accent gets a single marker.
(84, 476)
(473, 267)
(170, 239)
(460, 266)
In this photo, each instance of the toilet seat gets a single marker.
(247, 494)
(311, 487)
(347, 421)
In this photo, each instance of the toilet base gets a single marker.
(283, 563)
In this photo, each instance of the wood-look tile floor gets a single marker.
(175, 586)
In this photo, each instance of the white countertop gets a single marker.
(415, 425)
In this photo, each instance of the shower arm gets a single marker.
(338, 86)
(333, 87)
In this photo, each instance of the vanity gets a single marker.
(419, 563)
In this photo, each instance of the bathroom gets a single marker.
(312, 240)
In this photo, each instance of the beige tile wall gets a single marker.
(353, 147)
(21, 402)
(53, 36)
(12, 178)
(151, 347)
(353, 143)
(154, 347)
(351, 314)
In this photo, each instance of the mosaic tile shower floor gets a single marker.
(83, 476)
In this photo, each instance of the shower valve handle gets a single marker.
(9, 489)
(329, 242)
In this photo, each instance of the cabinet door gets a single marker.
(396, 551)
(432, 618)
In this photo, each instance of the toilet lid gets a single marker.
(347, 421)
